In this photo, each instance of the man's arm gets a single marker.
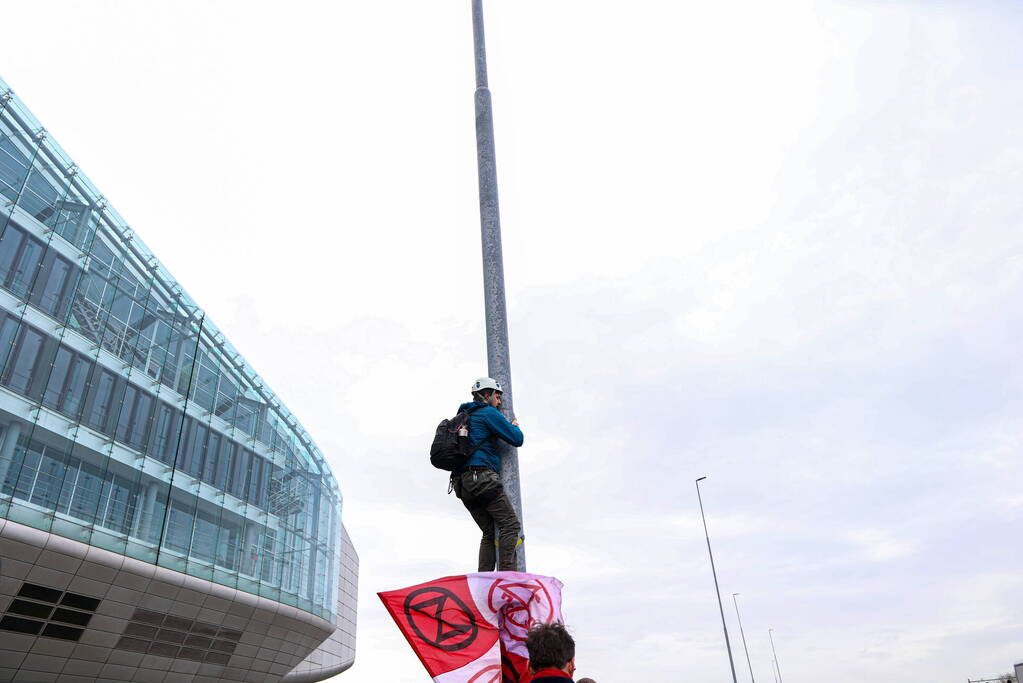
(500, 426)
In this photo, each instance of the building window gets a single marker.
(54, 279)
(25, 266)
(179, 526)
(23, 360)
(209, 469)
(102, 398)
(8, 330)
(10, 245)
(165, 433)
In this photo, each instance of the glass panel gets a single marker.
(179, 525)
(25, 265)
(26, 352)
(73, 396)
(54, 282)
(100, 401)
(10, 247)
(58, 377)
(8, 329)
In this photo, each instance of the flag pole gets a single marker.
(498, 362)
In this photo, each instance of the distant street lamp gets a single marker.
(713, 571)
(770, 635)
(739, 619)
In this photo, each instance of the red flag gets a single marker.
(472, 628)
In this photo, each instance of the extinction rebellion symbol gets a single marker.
(441, 619)
(522, 604)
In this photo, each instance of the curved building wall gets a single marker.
(337, 653)
(107, 617)
(127, 421)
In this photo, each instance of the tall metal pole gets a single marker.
(498, 363)
(743, 634)
(713, 571)
(770, 634)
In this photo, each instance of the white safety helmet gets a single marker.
(484, 383)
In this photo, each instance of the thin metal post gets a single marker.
(498, 362)
(770, 634)
(743, 634)
(713, 571)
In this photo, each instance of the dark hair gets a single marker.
(550, 646)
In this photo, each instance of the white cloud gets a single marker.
(881, 545)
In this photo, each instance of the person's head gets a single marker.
(586, 680)
(550, 647)
(487, 390)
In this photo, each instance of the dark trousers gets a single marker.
(483, 495)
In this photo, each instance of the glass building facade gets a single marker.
(127, 420)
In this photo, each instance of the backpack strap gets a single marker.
(467, 423)
(470, 412)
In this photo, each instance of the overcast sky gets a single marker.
(777, 244)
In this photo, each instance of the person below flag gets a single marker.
(473, 628)
(551, 653)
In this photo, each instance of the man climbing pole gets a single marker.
(477, 483)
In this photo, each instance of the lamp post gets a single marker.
(743, 634)
(498, 363)
(713, 571)
(770, 634)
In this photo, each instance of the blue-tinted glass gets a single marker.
(8, 330)
(49, 480)
(25, 266)
(28, 468)
(54, 281)
(140, 419)
(239, 480)
(58, 378)
(100, 401)
(209, 469)
(13, 165)
(40, 198)
(223, 465)
(116, 504)
(87, 495)
(179, 525)
(10, 245)
(165, 431)
(124, 415)
(26, 352)
(74, 388)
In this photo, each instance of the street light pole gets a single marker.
(743, 634)
(498, 362)
(713, 571)
(770, 634)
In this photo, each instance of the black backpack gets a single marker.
(450, 449)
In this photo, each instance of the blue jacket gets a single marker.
(486, 426)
